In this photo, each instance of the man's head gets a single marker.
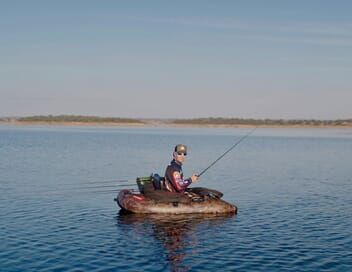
(180, 152)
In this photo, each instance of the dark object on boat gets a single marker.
(151, 183)
(152, 198)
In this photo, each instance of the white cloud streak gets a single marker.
(332, 34)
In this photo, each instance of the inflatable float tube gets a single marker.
(135, 202)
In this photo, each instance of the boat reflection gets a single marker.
(180, 234)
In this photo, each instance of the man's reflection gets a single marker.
(177, 233)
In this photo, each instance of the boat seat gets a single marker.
(157, 181)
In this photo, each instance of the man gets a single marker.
(174, 181)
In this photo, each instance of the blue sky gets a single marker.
(177, 59)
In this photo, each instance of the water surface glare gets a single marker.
(293, 188)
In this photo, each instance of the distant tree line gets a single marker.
(195, 121)
(258, 122)
(77, 118)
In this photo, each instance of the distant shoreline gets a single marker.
(219, 122)
(83, 124)
(133, 125)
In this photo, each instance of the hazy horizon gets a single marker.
(184, 59)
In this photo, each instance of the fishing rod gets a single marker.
(227, 151)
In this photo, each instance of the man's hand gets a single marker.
(194, 178)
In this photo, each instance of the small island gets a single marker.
(70, 120)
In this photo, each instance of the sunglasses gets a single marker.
(181, 153)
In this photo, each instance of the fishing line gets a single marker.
(227, 151)
(102, 182)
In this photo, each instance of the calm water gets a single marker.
(293, 189)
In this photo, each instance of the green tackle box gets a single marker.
(144, 182)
